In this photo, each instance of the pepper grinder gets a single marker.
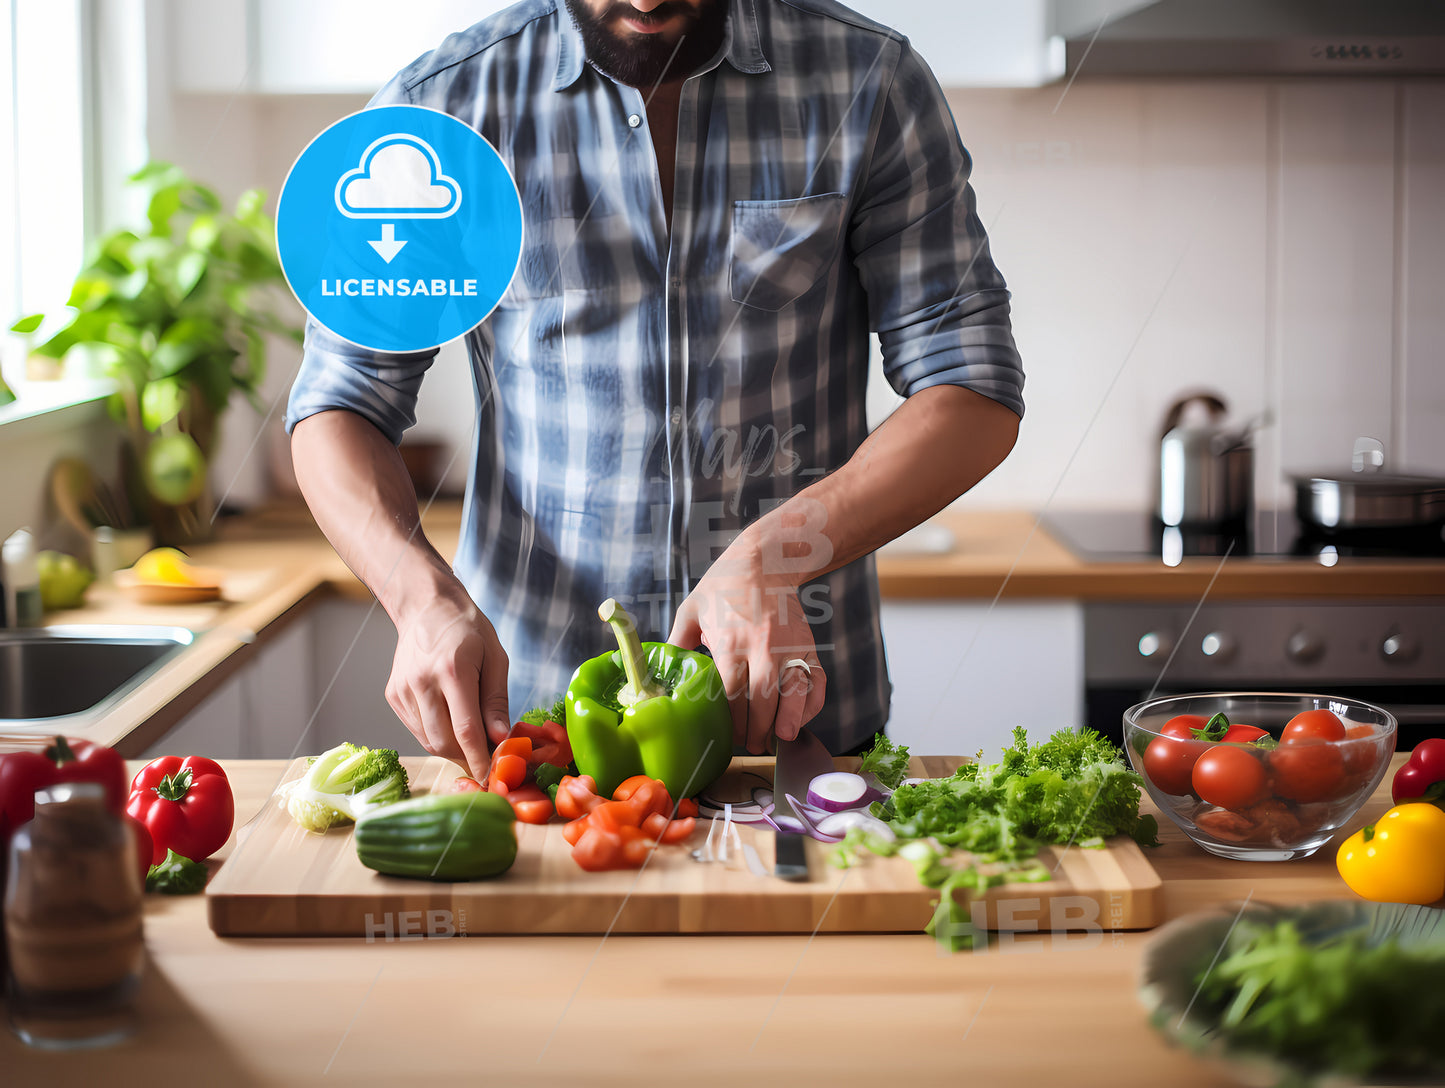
(73, 922)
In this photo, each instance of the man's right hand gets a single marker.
(448, 680)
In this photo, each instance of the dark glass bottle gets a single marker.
(73, 922)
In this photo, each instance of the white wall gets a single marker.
(28, 449)
(1307, 222)
(1302, 222)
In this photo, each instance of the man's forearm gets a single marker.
(358, 490)
(937, 445)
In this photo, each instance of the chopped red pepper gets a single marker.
(549, 743)
(623, 832)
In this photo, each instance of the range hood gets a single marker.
(1252, 37)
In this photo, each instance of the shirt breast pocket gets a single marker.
(780, 248)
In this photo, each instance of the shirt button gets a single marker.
(676, 416)
(633, 120)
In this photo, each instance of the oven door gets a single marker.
(1392, 655)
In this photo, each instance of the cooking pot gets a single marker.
(1206, 470)
(1368, 499)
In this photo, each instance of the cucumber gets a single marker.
(451, 836)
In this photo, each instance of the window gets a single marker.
(44, 171)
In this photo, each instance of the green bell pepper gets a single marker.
(648, 708)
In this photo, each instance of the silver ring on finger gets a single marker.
(799, 686)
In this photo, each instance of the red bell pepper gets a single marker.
(1422, 778)
(144, 847)
(186, 804)
(23, 774)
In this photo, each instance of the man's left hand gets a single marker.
(752, 623)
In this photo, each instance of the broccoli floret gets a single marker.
(177, 875)
(557, 712)
(344, 783)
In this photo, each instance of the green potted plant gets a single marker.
(178, 313)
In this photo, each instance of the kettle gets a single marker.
(1206, 470)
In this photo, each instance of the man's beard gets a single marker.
(642, 60)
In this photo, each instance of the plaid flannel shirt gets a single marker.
(643, 394)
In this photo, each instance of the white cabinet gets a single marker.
(964, 676)
(257, 713)
(354, 645)
(306, 46)
(317, 683)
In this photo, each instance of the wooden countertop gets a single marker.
(276, 563)
(995, 546)
(837, 1009)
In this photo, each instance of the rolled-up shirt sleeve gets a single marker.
(936, 300)
(381, 387)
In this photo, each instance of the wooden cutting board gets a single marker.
(281, 881)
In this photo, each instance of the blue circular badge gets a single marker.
(399, 228)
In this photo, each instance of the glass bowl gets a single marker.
(1275, 801)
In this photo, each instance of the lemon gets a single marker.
(175, 469)
(164, 565)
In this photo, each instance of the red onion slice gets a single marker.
(838, 791)
(839, 824)
(807, 818)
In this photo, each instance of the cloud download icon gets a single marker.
(400, 177)
(387, 164)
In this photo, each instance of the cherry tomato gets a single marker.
(1274, 821)
(1229, 826)
(1169, 763)
(464, 784)
(1307, 772)
(1243, 734)
(1359, 749)
(1313, 725)
(1230, 777)
(1169, 758)
(1183, 726)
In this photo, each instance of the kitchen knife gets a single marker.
(798, 762)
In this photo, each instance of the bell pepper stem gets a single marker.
(60, 753)
(640, 685)
(174, 787)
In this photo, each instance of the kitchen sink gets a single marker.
(52, 675)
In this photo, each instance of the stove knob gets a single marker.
(1217, 646)
(1399, 647)
(1155, 644)
(1304, 647)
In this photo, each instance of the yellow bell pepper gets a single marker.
(1398, 859)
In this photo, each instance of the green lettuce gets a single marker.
(1072, 788)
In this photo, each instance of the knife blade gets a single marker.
(797, 763)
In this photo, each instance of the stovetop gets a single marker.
(1127, 535)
